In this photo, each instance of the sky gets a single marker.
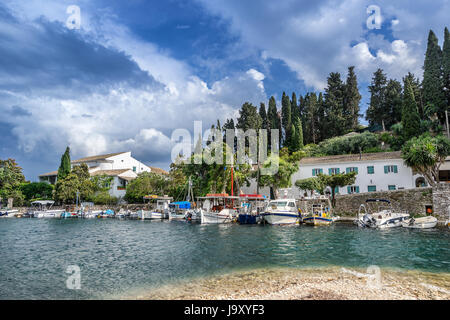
(131, 72)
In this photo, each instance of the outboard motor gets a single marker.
(369, 221)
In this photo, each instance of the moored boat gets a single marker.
(178, 210)
(42, 209)
(218, 209)
(321, 213)
(420, 223)
(158, 212)
(383, 217)
(252, 205)
(281, 211)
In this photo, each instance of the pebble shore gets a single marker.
(333, 283)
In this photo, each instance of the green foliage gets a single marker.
(410, 114)
(249, 118)
(286, 119)
(11, 179)
(352, 98)
(337, 180)
(426, 154)
(363, 142)
(78, 180)
(446, 64)
(104, 198)
(311, 184)
(65, 166)
(101, 183)
(37, 190)
(146, 183)
(433, 85)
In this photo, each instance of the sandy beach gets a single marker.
(334, 283)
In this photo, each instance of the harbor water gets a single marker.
(116, 257)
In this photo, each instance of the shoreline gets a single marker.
(324, 283)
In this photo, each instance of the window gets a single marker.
(392, 187)
(315, 172)
(389, 169)
(352, 189)
(291, 204)
(351, 169)
(372, 188)
(332, 171)
(134, 169)
(370, 169)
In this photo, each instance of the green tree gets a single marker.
(78, 180)
(65, 166)
(146, 183)
(249, 118)
(394, 102)
(311, 184)
(337, 181)
(297, 136)
(287, 166)
(273, 119)
(410, 114)
(263, 115)
(426, 154)
(334, 106)
(11, 178)
(446, 64)
(37, 190)
(377, 113)
(433, 93)
(352, 98)
(286, 119)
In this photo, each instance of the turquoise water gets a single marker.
(116, 257)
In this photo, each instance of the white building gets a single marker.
(376, 172)
(121, 166)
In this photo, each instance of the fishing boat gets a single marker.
(178, 210)
(160, 211)
(252, 205)
(218, 208)
(383, 217)
(106, 214)
(420, 223)
(86, 211)
(42, 209)
(281, 211)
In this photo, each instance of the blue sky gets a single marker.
(136, 70)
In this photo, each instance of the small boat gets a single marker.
(106, 214)
(218, 209)
(8, 213)
(281, 211)
(42, 209)
(159, 212)
(178, 210)
(320, 216)
(251, 207)
(68, 215)
(420, 223)
(383, 217)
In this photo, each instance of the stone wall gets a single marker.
(441, 200)
(414, 201)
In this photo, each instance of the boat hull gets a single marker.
(150, 215)
(318, 221)
(280, 218)
(48, 214)
(420, 223)
(215, 218)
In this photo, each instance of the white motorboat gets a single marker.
(218, 209)
(194, 215)
(42, 209)
(160, 211)
(281, 211)
(383, 217)
(420, 223)
(178, 210)
(8, 213)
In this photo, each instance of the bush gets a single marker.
(364, 142)
(104, 198)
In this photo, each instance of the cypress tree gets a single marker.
(446, 65)
(286, 118)
(295, 110)
(263, 115)
(334, 106)
(410, 114)
(377, 114)
(352, 98)
(433, 93)
(297, 136)
(64, 167)
(394, 102)
(273, 118)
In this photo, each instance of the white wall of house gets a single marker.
(121, 161)
(377, 181)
